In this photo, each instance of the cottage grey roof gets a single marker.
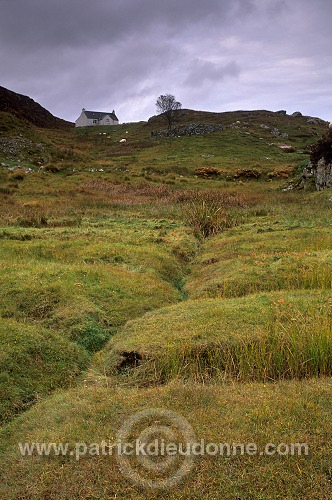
(99, 115)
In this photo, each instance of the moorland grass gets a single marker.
(69, 297)
(262, 257)
(99, 234)
(287, 412)
(33, 363)
(267, 336)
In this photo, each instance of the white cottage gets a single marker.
(92, 118)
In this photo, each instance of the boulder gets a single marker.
(297, 113)
(319, 167)
(323, 174)
(313, 121)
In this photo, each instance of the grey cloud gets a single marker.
(61, 22)
(206, 71)
(210, 54)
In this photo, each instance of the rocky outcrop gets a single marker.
(319, 168)
(323, 175)
(186, 130)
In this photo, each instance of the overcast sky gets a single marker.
(213, 55)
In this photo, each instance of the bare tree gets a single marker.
(167, 106)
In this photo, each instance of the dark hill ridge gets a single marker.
(229, 118)
(23, 107)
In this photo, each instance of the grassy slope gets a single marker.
(34, 362)
(287, 412)
(271, 252)
(99, 236)
(259, 337)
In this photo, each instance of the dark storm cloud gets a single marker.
(211, 54)
(76, 22)
(206, 71)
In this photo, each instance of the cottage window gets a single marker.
(95, 121)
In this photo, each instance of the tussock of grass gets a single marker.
(34, 362)
(288, 412)
(260, 337)
(251, 260)
(208, 212)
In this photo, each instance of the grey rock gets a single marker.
(319, 168)
(314, 121)
(323, 175)
(297, 113)
(187, 130)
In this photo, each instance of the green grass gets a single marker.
(33, 363)
(259, 337)
(71, 279)
(123, 269)
(262, 257)
(287, 412)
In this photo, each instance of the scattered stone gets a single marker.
(288, 188)
(276, 133)
(187, 130)
(314, 121)
(264, 126)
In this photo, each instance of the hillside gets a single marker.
(26, 109)
(174, 288)
(258, 143)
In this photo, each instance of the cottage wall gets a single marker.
(107, 120)
(82, 121)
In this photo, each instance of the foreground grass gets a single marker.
(33, 363)
(72, 279)
(287, 412)
(260, 337)
(61, 285)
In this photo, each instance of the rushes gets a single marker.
(290, 343)
(210, 212)
(299, 350)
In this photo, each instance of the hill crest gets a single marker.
(25, 108)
